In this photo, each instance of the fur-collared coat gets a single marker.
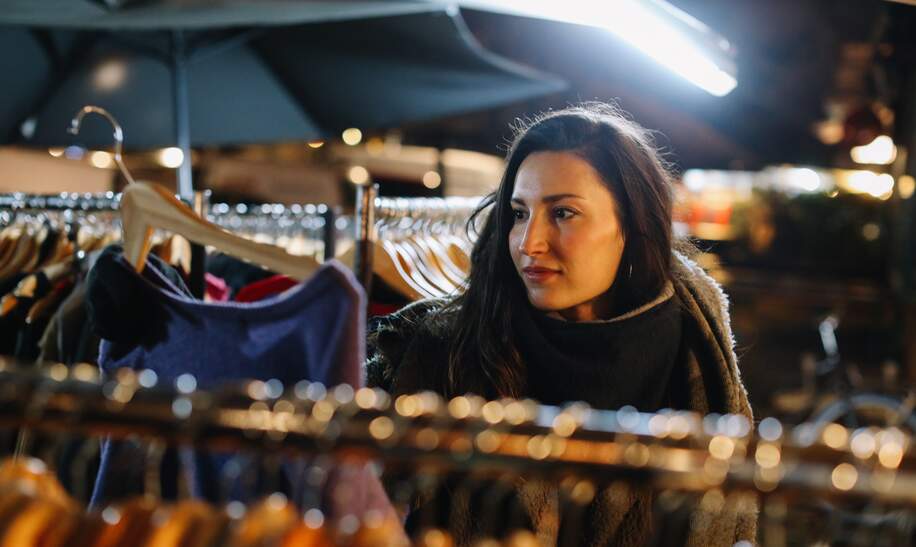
(408, 353)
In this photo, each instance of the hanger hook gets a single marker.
(118, 134)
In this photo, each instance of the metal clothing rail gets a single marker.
(673, 450)
(280, 212)
(108, 201)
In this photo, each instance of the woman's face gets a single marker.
(567, 241)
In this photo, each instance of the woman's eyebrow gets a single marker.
(549, 199)
(557, 197)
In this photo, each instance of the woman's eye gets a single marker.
(518, 214)
(563, 213)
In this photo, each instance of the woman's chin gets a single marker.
(545, 305)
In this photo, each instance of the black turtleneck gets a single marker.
(607, 364)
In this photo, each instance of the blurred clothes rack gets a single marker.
(713, 463)
(47, 243)
(52, 240)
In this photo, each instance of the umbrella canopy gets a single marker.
(250, 71)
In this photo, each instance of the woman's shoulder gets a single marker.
(425, 324)
(695, 284)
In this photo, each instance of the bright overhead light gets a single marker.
(432, 179)
(866, 182)
(906, 186)
(358, 175)
(880, 151)
(110, 75)
(671, 37)
(56, 152)
(315, 144)
(804, 179)
(101, 159)
(352, 136)
(171, 157)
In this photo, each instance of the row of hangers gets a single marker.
(46, 237)
(421, 252)
(52, 235)
(419, 246)
(40, 231)
(36, 510)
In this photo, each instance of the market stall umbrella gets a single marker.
(243, 71)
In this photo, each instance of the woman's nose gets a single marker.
(534, 240)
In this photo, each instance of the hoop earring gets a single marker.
(630, 272)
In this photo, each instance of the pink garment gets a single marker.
(217, 290)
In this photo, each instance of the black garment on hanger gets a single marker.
(30, 334)
(118, 308)
(236, 273)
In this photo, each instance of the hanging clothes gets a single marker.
(215, 288)
(269, 286)
(314, 332)
(236, 273)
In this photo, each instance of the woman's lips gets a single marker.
(539, 275)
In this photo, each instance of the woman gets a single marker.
(577, 293)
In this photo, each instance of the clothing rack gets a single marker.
(280, 213)
(18, 201)
(672, 450)
(110, 201)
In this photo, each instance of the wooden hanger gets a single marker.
(434, 254)
(420, 261)
(11, 235)
(6, 243)
(267, 523)
(145, 207)
(25, 249)
(385, 267)
(405, 264)
(188, 522)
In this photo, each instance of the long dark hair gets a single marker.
(483, 357)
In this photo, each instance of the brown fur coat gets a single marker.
(408, 353)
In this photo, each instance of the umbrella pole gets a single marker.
(182, 118)
(196, 282)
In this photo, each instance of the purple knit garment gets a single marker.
(315, 331)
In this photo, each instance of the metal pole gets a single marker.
(365, 233)
(182, 116)
(329, 234)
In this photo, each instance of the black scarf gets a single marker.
(608, 364)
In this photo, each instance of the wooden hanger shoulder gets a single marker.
(145, 207)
